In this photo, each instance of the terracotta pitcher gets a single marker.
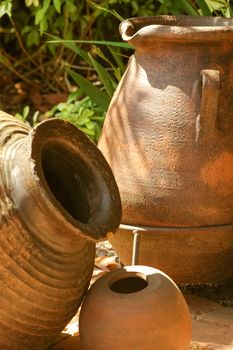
(57, 197)
(168, 135)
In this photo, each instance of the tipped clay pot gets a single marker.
(57, 197)
(135, 308)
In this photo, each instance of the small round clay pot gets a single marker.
(135, 308)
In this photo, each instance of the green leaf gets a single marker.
(90, 125)
(35, 118)
(98, 96)
(57, 5)
(87, 131)
(87, 113)
(39, 15)
(204, 8)
(71, 6)
(222, 6)
(229, 12)
(26, 112)
(19, 117)
(97, 118)
(28, 2)
(103, 75)
(82, 121)
(46, 4)
(70, 44)
(43, 25)
(118, 59)
(74, 95)
(97, 42)
(61, 106)
(188, 8)
(6, 8)
(33, 38)
(114, 13)
(163, 8)
(26, 29)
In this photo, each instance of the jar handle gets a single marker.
(209, 99)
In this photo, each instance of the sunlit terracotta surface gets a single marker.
(57, 197)
(135, 308)
(168, 134)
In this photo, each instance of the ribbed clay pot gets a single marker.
(57, 197)
(168, 134)
(135, 308)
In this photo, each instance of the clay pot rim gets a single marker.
(147, 273)
(143, 30)
(50, 132)
(174, 229)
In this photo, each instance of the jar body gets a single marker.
(168, 137)
(143, 309)
(168, 134)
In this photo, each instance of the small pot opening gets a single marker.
(131, 284)
(70, 180)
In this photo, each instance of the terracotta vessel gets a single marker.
(168, 135)
(143, 309)
(57, 197)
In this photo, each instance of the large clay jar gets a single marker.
(57, 197)
(168, 137)
(135, 308)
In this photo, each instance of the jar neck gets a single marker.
(33, 205)
(59, 182)
(147, 31)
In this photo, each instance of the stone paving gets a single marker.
(212, 324)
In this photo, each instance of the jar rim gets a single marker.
(188, 28)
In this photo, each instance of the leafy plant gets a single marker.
(26, 118)
(95, 62)
(83, 113)
(108, 69)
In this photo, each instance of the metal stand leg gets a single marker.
(135, 252)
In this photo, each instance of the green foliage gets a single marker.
(70, 18)
(131, 8)
(58, 17)
(26, 118)
(83, 113)
(78, 110)
(96, 95)
(109, 70)
(6, 8)
(95, 62)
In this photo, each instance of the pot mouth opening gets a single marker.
(79, 188)
(70, 180)
(128, 283)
